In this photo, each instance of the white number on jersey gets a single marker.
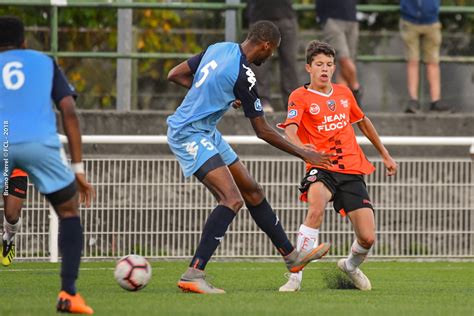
(13, 77)
(205, 70)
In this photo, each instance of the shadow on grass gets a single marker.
(336, 280)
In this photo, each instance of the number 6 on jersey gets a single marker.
(13, 77)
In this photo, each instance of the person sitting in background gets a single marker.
(420, 28)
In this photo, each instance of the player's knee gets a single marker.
(367, 241)
(234, 202)
(255, 196)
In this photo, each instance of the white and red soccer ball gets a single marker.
(132, 272)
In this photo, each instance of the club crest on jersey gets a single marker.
(331, 105)
(292, 114)
(258, 105)
(314, 109)
(250, 77)
(345, 103)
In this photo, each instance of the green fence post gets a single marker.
(54, 31)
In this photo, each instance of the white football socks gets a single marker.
(10, 230)
(357, 255)
(308, 238)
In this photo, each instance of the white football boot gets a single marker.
(359, 279)
(293, 284)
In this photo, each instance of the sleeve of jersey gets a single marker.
(194, 61)
(296, 108)
(61, 87)
(356, 114)
(245, 90)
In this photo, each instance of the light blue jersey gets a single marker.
(29, 81)
(222, 75)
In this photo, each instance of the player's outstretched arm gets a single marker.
(73, 133)
(368, 129)
(264, 131)
(182, 75)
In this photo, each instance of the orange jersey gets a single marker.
(18, 173)
(324, 120)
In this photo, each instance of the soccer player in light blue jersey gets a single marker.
(218, 78)
(29, 81)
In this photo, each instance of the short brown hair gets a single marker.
(315, 48)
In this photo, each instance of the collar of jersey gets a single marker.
(320, 93)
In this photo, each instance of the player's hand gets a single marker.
(236, 104)
(390, 165)
(309, 146)
(86, 190)
(316, 158)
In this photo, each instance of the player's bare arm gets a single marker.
(264, 131)
(291, 132)
(73, 133)
(368, 129)
(182, 75)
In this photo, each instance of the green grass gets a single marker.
(399, 288)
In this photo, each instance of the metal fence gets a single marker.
(145, 206)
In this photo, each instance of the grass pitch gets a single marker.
(399, 288)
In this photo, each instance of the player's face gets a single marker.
(321, 70)
(267, 51)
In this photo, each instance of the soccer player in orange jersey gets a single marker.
(320, 115)
(12, 203)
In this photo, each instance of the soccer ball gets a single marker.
(132, 272)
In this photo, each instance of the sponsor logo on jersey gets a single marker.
(333, 122)
(311, 178)
(258, 105)
(331, 105)
(314, 109)
(345, 103)
(292, 114)
(250, 77)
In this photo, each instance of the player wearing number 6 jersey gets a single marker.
(215, 79)
(30, 80)
(320, 115)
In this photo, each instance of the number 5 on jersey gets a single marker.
(205, 70)
(13, 77)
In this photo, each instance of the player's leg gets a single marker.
(13, 203)
(221, 184)
(317, 194)
(266, 219)
(353, 198)
(364, 226)
(53, 177)
(198, 155)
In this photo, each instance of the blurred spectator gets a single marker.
(281, 13)
(341, 31)
(419, 24)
